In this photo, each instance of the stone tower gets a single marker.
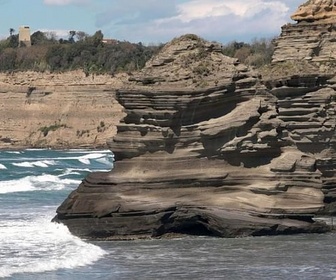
(24, 36)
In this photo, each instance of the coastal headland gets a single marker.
(209, 146)
(205, 145)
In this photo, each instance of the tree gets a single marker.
(11, 31)
(13, 41)
(8, 59)
(54, 57)
(243, 53)
(81, 35)
(39, 38)
(86, 52)
(257, 53)
(97, 39)
(72, 34)
(51, 36)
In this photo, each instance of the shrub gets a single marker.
(45, 129)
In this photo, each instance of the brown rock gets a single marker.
(310, 43)
(227, 158)
(316, 10)
(65, 110)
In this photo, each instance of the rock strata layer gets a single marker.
(65, 110)
(207, 148)
(316, 10)
(311, 39)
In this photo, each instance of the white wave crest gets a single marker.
(2, 166)
(74, 171)
(42, 182)
(45, 246)
(86, 158)
(13, 152)
(104, 160)
(40, 163)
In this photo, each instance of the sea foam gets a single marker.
(44, 182)
(45, 246)
(40, 163)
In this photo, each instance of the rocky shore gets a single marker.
(208, 147)
(204, 145)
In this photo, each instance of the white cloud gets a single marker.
(221, 20)
(56, 33)
(64, 2)
(202, 9)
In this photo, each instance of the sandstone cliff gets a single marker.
(316, 10)
(311, 39)
(207, 147)
(65, 110)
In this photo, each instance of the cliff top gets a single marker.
(316, 10)
(188, 62)
(22, 80)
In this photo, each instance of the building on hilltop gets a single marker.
(24, 36)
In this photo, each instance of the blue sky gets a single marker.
(151, 21)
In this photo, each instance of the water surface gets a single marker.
(34, 182)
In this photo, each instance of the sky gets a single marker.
(151, 21)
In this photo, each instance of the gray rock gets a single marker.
(227, 158)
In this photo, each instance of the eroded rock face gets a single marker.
(212, 152)
(316, 10)
(311, 39)
(65, 110)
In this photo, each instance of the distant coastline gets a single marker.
(63, 111)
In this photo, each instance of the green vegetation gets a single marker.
(90, 54)
(46, 129)
(258, 53)
(101, 127)
(201, 70)
(81, 133)
(79, 51)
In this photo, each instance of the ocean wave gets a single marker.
(74, 171)
(44, 182)
(85, 151)
(84, 160)
(2, 166)
(100, 157)
(45, 246)
(104, 160)
(39, 163)
(13, 152)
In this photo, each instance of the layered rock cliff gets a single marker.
(311, 39)
(303, 63)
(208, 148)
(65, 110)
(316, 10)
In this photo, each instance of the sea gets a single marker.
(33, 183)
